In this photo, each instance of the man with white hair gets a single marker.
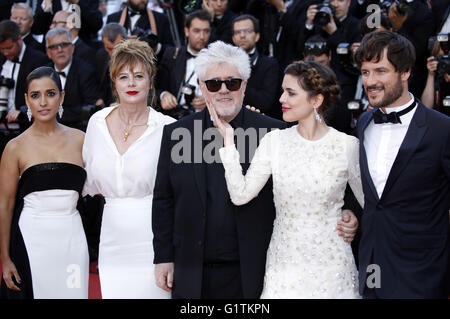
(22, 14)
(205, 247)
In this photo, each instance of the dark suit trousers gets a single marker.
(222, 281)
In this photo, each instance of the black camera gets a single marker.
(443, 65)
(146, 36)
(402, 5)
(443, 42)
(356, 107)
(325, 11)
(344, 53)
(5, 85)
(316, 48)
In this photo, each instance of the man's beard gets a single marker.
(389, 96)
(137, 7)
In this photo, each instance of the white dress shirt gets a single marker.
(382, 142)
(66, 71)
(7, 72)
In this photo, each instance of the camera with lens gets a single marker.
(188, 90)
(402, 5)
(316, 48)
(356, 107)
(325, 11)
(443, 66)
(5, 85)
(344, 53)
(146, 36)
(442, 38)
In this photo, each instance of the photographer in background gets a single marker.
(17, 60)
(264, 84)
(414, 20)
(176, 82)
(147, 25)
(317, 50)
(436, 94)
(332, 20)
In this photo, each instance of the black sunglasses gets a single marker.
(231, 84)
(63, 45)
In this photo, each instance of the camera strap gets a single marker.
(183, 84)
(151, 20)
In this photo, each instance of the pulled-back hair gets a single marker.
(130, 53)
(43, 72)
(399, 50)
(316, 78)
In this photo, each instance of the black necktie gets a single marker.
(62, 74)
(393, 117)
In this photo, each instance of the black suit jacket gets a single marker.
(81, 89)
(406, 231)
(91, 18)
(171, 72)
(162, 25)
(221, 29)
(179, 211)
(103, 78)
(31, 60)
(263, 86)
(32, 43)
(84, 52)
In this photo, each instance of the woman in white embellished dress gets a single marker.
(120, 153)
(310, 165)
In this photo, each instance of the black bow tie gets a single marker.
(393, 117)
(189, 55)
(16, 60)
(62, 74)
(133, 13)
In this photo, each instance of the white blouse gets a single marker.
(131, 174)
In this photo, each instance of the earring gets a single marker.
(316, 114)
(29, 114)
(60, 111)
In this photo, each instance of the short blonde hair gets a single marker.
(130, 53)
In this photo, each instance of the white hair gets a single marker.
(220, 52)
(24, 6)
(55, 32)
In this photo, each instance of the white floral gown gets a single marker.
(306, 256)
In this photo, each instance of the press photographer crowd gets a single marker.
(89, 48)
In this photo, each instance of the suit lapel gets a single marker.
(363, 156)
(414, 135)
(199, 166)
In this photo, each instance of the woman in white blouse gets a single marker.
(120, 154)
(310, 164)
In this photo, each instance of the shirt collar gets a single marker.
(66, 69)
(401, 107)
(75, 40)
(22, 52)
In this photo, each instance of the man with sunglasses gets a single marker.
(77, 77)
(16, 61)
(205, 247)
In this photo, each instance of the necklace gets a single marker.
(127, 130)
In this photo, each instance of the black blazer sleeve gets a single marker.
(163, 208)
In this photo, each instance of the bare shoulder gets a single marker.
(75, 135)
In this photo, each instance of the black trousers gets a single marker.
(222, 281)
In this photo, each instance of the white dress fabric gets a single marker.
(126, 181)
(56, 244)
(306, 256)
